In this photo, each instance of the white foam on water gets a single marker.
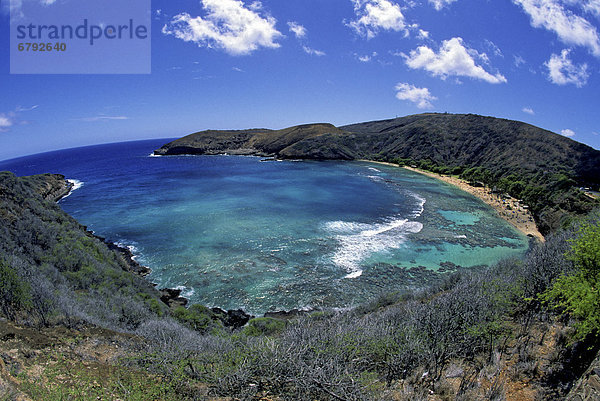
(185, 291)
(153, 155)
(421, 205)
(76, 185)
(384, 228)
(375, 178)
(374, 169)
(355, 274)
(358, 241)
(132, 248)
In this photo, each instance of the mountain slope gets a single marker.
(471, 140)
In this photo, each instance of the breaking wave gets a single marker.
(76, 185)
(358, 241)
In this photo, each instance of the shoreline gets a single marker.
(507, 207)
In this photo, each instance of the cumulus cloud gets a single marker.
(376, 15)
(298, 30)
(452, 59)
(570, 28)
(419, 96)
(439, 4)
(562, 71)
(528, 110)
(567, 132)
(229, 25)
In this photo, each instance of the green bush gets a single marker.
(264, 326)
(198, 317)
(15, 294)
(578, 294)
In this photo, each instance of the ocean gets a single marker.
(240, 232)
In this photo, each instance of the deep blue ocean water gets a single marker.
(238, 232)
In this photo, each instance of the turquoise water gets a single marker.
(238, 232)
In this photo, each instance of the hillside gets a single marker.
(542, 168)
(258, 142)
(77, 323)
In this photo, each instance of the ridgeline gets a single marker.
(544, 169)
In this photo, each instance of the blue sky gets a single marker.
(221, 64)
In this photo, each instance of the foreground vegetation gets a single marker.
(80, 325)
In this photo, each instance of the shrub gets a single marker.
(264, 326)
(578, 294)
(198, 317)
(15, 294)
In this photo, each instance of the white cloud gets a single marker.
(11, 118)
(5, 122)
(562, 71)
(528, 110)
(570, 28)
(298, 30)
(453, 59)
(419, 96)
(423, 34)
(21, 108)
(366, 58)
(592, 6)
(15, 7)
(567, 132)
(312, 51)
(519, 61)
(439, 4)
(493, 48)
(227, 25)
(376, 15)
(103, 118)
(237, 69)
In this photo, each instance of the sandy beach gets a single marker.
(508, 208)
